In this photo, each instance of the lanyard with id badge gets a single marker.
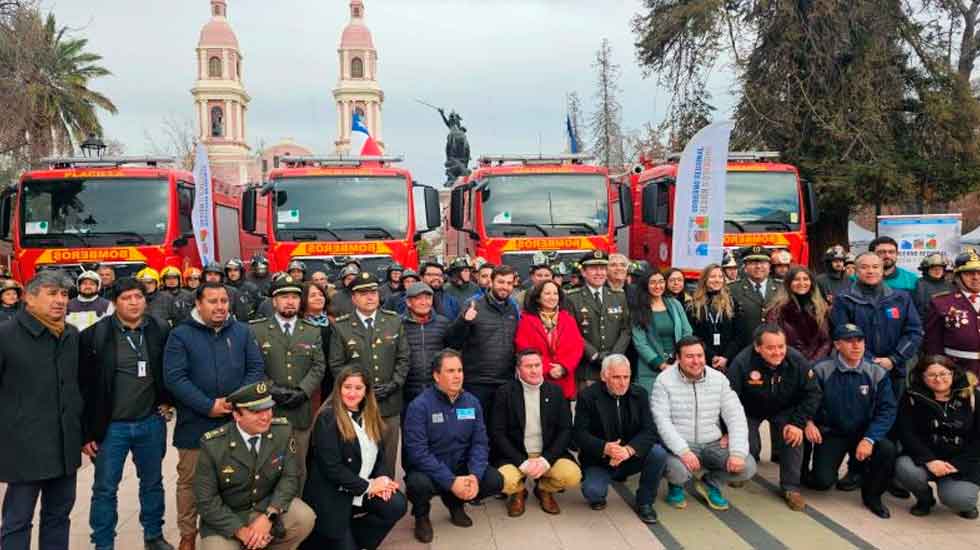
(138, 350)
(714, 320)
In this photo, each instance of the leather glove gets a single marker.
(382, 391)
(296, 398)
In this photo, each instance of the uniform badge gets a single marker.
(266, 345)
(377, 342)
(755, 375)
(352, 342)
(292, 445)
(863, 388)
(355, 355)
(228, 470)
(261, 387)
(956, 318)
(437, 418)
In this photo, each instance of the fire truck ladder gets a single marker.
(569, 158)
(342, 160)
(738, 156)
(70, 162)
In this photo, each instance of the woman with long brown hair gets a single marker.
(356, 502)
(711, 312)
(801, 311)
(659, 322)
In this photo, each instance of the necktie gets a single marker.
(597, 294)
(253, 444)
(369, 323)
(758, 288)
(973, 298)
(288, 329)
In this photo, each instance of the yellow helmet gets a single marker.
(170, 271)
(148, 274)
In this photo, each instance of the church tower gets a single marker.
(220, 99)
(357, 88)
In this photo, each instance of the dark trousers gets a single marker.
(596, 479)
(421, 489)
(877, 469)
(147, 439)
(369, 525)
(790, 458)
(485, 393)
(57, 500)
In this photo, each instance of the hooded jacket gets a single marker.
(201, 364)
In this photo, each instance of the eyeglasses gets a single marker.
(939, 375)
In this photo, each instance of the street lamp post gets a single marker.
(93, 147)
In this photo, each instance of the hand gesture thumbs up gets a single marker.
(470, 312)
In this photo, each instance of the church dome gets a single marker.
(217, 32)
(356, 35)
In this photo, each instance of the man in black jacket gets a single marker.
(485, 333)
(775, 383)
(126, 407)
(531, 430)
(425, 331)
(617, 438)
(41, 408)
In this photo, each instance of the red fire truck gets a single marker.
(131, 212)
(513, 206)
(328, 210)
(766, 204)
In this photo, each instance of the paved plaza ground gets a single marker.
(758, 519)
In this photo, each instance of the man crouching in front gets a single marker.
(247, 479)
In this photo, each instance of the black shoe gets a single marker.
(158, 543)
(598, 505)
(877, 508)
(898, 492)
(969, 514)
(647, 513)
(423, 529)
(923, 506)
(850, 482)
(458, 517)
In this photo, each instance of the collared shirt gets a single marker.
(369, 455)
(133, 395)
(760, 287)
(595, 292)
(363, 318)
(284, 321)
(974, 303)
(246, 436)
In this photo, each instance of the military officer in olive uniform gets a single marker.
(953, 322)
(294, 361)
(247, 484)
(753, 292)
(602, 315)
(373, 340)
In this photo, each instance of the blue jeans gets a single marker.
(147, 439)
(596, 479)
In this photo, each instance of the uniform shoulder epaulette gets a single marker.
(343, 317)
(280, 421)
(572, 291)
(389, 312)
(218, 432)
(943, 293)
(257, 321)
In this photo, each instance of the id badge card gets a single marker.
(716, 338)
(141, 369)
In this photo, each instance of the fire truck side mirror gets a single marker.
(6, 211)
(810, 198)
(625, 205)
(433, 211)
(248, 210)
(649, 207)
(456, 208)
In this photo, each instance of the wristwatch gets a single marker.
(272, 514)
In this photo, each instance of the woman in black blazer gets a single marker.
(356, 502)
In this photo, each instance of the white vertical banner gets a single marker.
(202, 215)
(699, 199)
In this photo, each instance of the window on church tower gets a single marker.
(357, 68)
(214, 67)
(217, 122)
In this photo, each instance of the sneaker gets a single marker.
(646, 513)
(712, 495)
(969, 514)
(795, 501)
(676, 497)
(598, 505)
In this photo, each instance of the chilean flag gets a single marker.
(361, 142)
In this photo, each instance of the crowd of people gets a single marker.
(296, 398)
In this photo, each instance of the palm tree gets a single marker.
(51, 73)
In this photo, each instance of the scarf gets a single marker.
(57, 328)
(320, 320)
(549, 320)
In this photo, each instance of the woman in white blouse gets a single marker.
(356, 502)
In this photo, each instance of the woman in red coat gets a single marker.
(548, 328)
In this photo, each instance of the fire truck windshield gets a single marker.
(545, 205)
(80, 213)
(763, 201)
(341, 208)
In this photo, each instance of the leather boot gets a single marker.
(516, 503)
(548, 502)
(188, 542)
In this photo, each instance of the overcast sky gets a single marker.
(504, 65)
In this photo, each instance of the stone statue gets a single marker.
(217, 129)
(457, 147)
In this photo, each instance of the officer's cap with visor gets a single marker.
(254, 397)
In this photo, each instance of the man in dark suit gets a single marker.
(753, 292)
(532, 427)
